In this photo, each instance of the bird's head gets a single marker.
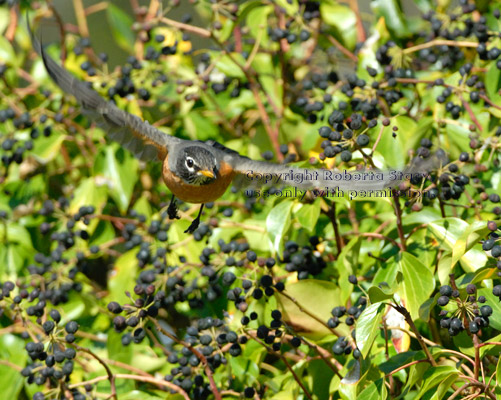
(196, 165)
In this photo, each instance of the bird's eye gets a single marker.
(189, 162)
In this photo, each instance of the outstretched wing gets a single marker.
(258, 173)
(142, 139)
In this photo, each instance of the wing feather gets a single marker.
(142, 139)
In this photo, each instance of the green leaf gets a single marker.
(257, 19)
(436, 375)
(48, 148)
(493, 82)
(142, 395)
(448, 231)
(121, 24)
(375, 391)
(426, 307)
(377, 295)
(119, 169)
(417, 285)
(368, 327)
(394, 18)
(387, 274)
(347, 264)
(7, 53)
(88, 193)
(307, 215)
(471, 236)
(397, 361)
(315, 296)
(200, 128)
(278, 222)
(493, 301)
(226, 64)
(123, 276)
(12, 349)
(343, 19)
(395, 149)
(116, 350)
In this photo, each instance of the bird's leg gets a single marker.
(196, 222)
(172, 209)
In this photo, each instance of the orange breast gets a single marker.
(194, 193)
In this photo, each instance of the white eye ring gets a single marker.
(189, 163)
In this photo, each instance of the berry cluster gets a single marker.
(466, 313)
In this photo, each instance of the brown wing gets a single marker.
(144, 140)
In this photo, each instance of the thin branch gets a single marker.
(467, 106)
(284, 360)
(458, 391)
(440, 42)
(342, 49)
(320, 320)
(402, 310)
(197, 353)
(331, 213)
(382, 237)
(186, 27)
(398, 214)
(405, 366)
(160, 383)
(83, 28)
(111, 377)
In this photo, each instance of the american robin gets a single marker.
(195, 171)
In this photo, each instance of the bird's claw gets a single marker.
(193, 226)
(172, 211)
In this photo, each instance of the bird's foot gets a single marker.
(172, 211)
(193, 227)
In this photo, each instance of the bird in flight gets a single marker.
(194, 171)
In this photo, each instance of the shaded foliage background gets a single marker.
(272, 297)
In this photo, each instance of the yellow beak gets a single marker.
(207, 173)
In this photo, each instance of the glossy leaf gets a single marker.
(278, 222)
(417, 285)
(315, 296)
(368, 326)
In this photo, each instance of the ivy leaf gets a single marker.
(119, 169)
(417, 285)
(493, 301)
(448, 231)
(343, 20)
(88, 193)
(470, 237)
(121, 24)
(278, 222)
(436, 375)
(374, 391)
(308, 215)
(392, 13)
(315, 296)
(368, 327)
